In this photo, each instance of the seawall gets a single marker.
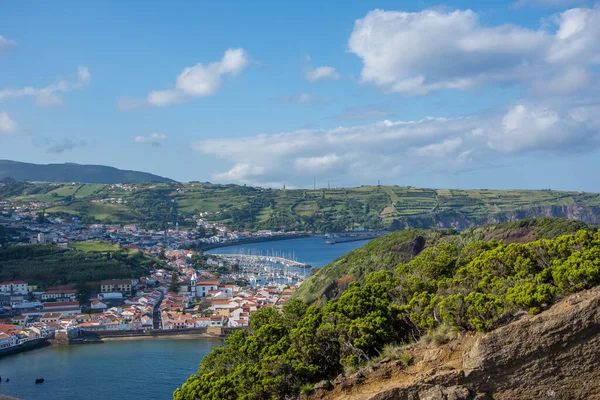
(29, 345)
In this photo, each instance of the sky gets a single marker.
(456, 94)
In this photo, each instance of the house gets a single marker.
(117, 285)
(13, 287)
(204, 286)
(50, 317)
(98, 305)
(8, 340)
(217, 320)
(59, 295)
(63, 307)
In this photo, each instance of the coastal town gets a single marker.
(175, 296)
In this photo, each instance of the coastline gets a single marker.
(211, 246)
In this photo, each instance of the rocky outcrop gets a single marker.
(554, 355)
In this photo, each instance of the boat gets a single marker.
(330, 241)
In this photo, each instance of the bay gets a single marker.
(311, 250)
(136, 369)
(133, 369)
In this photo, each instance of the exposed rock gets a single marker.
(324, 385)
(554, 355)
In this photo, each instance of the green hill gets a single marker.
(389, 251)
(49, 266)
(322, 210)
(69, 172)
(459, 284)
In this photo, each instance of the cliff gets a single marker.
(589, 214)
(553, 355)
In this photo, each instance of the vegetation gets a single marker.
(402, 246)
(49, 266)
(94, 246)
(454, 285)
(162, 205)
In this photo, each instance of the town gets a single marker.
(176, 295)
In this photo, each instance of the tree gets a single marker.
(174, 286)
(83, 292)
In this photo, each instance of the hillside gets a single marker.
(49, 266)
(526, 358)
(69, 172)
(321, 210)
(479, 291)
(387, 252)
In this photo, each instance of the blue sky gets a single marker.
(456, 94)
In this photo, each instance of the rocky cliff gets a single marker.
(451, 219)
(554, 355)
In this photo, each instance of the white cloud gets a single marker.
(197, 81)
(389, 150)
(548, 3)
(6, 44)
(152, 138)
(7, 125)
(49, 96)
(312, 74)
(305, 98)
(416, 53)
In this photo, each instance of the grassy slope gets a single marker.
(386, 203)
(94, 246)
(399, 247)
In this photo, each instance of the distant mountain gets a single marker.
(70, 172)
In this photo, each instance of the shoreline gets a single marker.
(212, 246)
(175, 336)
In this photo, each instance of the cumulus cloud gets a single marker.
(305, 98)
(416, 53)
(61, 146)
(197, 81)
(7, 125)
(313, 74)
(389, 150)
(6, 44)
(154, 138)
(49, 96)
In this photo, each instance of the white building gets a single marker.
(14, 287)
(203, 287)
(7, 340)
(98, 305)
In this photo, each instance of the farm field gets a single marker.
(321, 210)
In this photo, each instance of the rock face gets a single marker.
(554, 355)
(451, 219)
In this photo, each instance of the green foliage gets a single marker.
(451, 286)
(49, 265)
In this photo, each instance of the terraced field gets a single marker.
(241, 207)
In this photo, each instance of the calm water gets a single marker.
(140, 369)
(311, 250)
